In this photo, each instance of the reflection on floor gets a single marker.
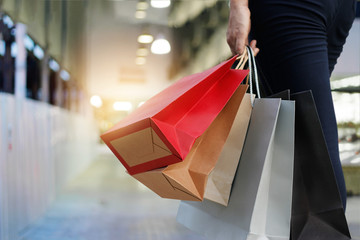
(105, 203)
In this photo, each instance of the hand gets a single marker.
(239, 28)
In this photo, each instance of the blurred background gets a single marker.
(70, 70)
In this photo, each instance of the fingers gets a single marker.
(237, 45)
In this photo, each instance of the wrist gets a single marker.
(239, 3)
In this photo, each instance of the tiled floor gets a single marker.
(105, 203)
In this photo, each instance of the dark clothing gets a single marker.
(299, 42)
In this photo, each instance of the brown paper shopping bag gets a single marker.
(220, 180)
(187, 180)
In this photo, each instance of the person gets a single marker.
(298, 43)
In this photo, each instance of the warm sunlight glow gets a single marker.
(160, 3)
(145, 38)
(96, 101)
(160, 46)
(122, 106)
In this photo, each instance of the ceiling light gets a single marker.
(14, 49)
(140, 14)
(122, 106)
(29, 43)
(160, 3)
(142, 51)
(54, 65)
(64, 75)
(145, 38)
(140, 61)
(160, 46)
(142, 5)
(38, 52)
(7, 20)
(96, 101)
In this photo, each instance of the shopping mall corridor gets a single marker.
(70, 70)
(104, 203)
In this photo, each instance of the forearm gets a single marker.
(239, 27)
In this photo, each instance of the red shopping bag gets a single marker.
(163, 130)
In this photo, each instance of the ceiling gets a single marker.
(112, 30)
(111, 51)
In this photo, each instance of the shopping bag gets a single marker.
(163, 130)
(317, 211)
(220, 180)
(260, 201)
(187, 180)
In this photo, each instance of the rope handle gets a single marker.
(253, 75)
(248, 56)
(243, 58)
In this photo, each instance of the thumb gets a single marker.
(253, 47)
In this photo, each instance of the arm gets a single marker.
(239, 27)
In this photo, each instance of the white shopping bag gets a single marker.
(260, 202)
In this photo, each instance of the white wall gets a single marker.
(42, 147)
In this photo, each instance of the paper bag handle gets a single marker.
(243, 58)
(248, 56)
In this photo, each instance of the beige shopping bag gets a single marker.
(187, 180)
(220, 180)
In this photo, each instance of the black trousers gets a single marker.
(300, 41)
